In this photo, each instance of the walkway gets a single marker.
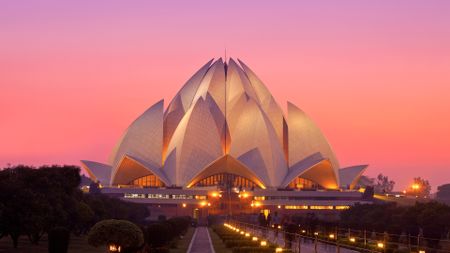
(307, 245)
(201, 241)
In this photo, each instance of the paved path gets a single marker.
(201, 241)
(307, 246)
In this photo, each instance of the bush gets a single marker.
(58, 240)
(239, 243)
(160, 250)
(253, 250)
(157, 235)
(117, 232)
(230, 237)
(179, 224)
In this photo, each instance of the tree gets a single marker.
(35, 200)
(383, 184)
(419, 188)
(17, 202)
(118, 233)
(431, 220)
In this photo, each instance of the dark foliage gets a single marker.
(58, 240)
(116, 232)
(34, 200)
(160, 234)
(428, 219)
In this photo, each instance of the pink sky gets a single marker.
(374, 75)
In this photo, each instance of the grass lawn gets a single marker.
(183, 244)
(76, 245)
(218, 244)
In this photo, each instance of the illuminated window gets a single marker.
(200, 197)
(134, 196)
(181, 196)
(321, 207)
(296, 207)
(341, 207)
(148, 181)
(259, 198)
(303, 184)
(158, 196)
(226, 179)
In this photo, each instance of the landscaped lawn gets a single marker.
(183, 244)
(218, 244)
(77, 245)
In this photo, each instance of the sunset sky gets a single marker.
(374, 75)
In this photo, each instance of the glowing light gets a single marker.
(252, 205)
(254, 238)
(352, 239)
(278, 249)
(183, 205)
(303, 231)
(421, 251)
(245, 195)
(237, 230)
(341, 207)
(331, 236)
(214, 194)
(415, 186)
(114, 248)
(380, 245)
(209, 204)
(279, 206)
(203, 203)
(257, 204)
(247, 234)
(279, 227)
(242, 232)
(263, 243)
(316, 233)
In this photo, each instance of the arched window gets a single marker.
(226, 180)
(148, 181)
(303, 184)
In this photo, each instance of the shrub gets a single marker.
(253, 250)
(58, 240)
(157, 235)
(239, 243)
(179, 224)
(160, 250)
(117, 232)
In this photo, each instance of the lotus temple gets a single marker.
(223, 145)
